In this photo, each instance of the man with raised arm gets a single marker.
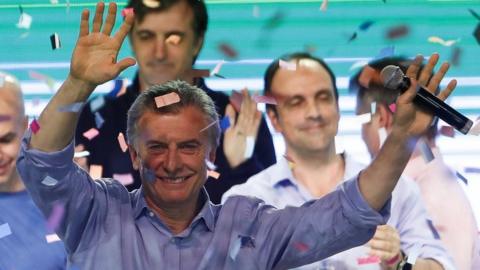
(170, 223)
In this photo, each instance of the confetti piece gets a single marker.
(373, 107)
(474, 14)
(216, 69)
(99, 120)
(49, 81)
(358, 64)
(173, 39)
(25, 21)
(447, 131)
(208, 126)
(127, 11)
(353, 37)
(256, 11)
(117, 88)
(56, 216)
(324, 5)
(96, 171)
(5, 230)
(91, 133)
(74, 107)
(476, 33)
(386, 52)
(301, 246)
(49, 181)
(366, 25)
(397, 32)
(81, 154)
(54, 2)
(213, 174)
(51, 238)
(372, 259)
(210, 165)
(364, 118)
(55, 41)
(34, 126)
(393, 107)
(475, 129)
(287, 65)
(225, 123)
(235, 248)
(455, 56)
(97, 103)
(265, 99)
(446, 43)
(5, 118)
(427, 153)
(236, 100)
(151, 3)
(249, 146)
(227, 50)
(461, 177)
(472, 170)
(167, 99)
(434, 231)
(122, 142)
(124, 179)
(275, 21)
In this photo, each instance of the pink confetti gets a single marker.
(96, 171)
(91, 133)
(447, 131)
(124, 179)
(301, 246)
(55, 217)
(265, 99)
(167, 99)
(236, 100)
(122, 142)
(324, 5)
(51, 238)
(213, 174)
(34, 126)
(368, 260)
(127, 11)
(208, 126)
(392, 107)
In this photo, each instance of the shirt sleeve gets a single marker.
(55, 181)
(296, 236)
(414, 225)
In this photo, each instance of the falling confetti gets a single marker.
(397, 32)
(446, 43)
(474, 14)
(122, 142)
(225, 123)
(91, 133)
(301, 246)
(366, 25)
(5, 230)
(34, 126)
(97, 103)
(55, 41)
(24, 21)
(51, 238)
(49, 181)
(324, 5)
(213, 174)
(124, 179)
(455, 56)
(461, 177)
(96, 171)
(228, 50)
(74, 107)
(56, 216)
(447, 131)
(386, 52)
(99, 120)
(216, 69)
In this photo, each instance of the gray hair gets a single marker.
(189, 96)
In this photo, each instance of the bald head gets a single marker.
(11, 97)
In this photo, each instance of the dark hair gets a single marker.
(275, 65)
(199, 9)
(376, 91)
(189, 96)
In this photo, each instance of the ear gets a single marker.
(385, 116)
(134, 157)
(273, 116)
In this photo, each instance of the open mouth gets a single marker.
(174, 180)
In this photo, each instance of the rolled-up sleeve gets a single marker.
(55, 182)
(295, 236)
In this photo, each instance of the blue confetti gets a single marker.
(365, 25)
(5, 230)
(225, 123)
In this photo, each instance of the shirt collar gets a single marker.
(281, 174)
(206, 214)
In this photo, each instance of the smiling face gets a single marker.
(307, 111)
(165, 45)
(12, 127)
(171, 154)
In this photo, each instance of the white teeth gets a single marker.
(174, 180)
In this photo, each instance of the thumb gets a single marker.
(409, 95)
(125, 63)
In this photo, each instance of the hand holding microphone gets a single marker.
(393, 78)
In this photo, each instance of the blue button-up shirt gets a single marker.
(106, 227)
(278, 187)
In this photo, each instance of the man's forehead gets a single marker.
(174, 17)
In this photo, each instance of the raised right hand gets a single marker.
(94, 59)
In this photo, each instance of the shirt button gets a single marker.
(151, 214)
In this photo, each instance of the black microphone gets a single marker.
(393, 78)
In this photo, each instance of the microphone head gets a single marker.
(392, 77)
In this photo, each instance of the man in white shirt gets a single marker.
(307, 115)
